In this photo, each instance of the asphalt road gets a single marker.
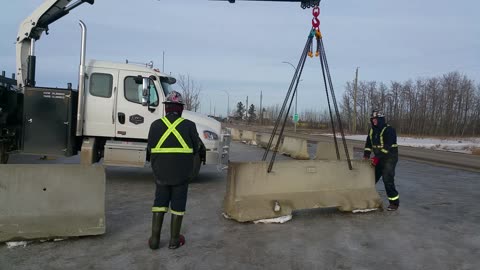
(437, 227)
(444, 158)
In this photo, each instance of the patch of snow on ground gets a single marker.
(16, 244)
(280, 220)
(462, 145)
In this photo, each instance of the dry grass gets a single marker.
(476, 151)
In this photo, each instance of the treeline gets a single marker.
(448, 105)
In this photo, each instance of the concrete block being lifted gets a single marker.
(253, 194)
(295, 148)
(326, 151)
(51, 201)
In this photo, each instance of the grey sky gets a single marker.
(239, 47)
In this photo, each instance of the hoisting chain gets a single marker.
(315, 31)
(309, 3)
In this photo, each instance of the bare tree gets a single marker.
(190, 92)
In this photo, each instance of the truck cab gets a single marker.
(118, 113)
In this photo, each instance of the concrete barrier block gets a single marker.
(295, 148)
(326, 151)
(51, 201)
(248, 136)
(236, 134)
(263, 138)
(253, 194)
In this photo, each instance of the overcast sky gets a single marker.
(239, 48)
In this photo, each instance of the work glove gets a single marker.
(375, 161)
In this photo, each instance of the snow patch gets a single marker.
(364, 210)
(16, 244)
(280, 220)
(463, 145)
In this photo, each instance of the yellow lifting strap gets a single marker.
(172, 129)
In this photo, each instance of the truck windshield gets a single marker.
(167, 87)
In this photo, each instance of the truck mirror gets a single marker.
(146, 91)
(138, 79)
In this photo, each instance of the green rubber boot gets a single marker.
(176, 239)
(157, 221)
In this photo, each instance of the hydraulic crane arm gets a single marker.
(303, 3)
(31, 30)
(50, 11)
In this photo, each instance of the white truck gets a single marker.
(110, 114)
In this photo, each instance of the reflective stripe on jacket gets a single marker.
(172, 130)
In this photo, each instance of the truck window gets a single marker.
(101, 85)
(133, 91)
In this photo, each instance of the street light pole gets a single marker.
(296, 98)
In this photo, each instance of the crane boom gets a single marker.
(31, 30)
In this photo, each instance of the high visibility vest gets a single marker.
(172, 130)
(381, 145)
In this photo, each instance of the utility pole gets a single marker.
(246, 110)
(355, 87)
(228, 103)
(261, 112)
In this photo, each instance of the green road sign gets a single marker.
(295, 117)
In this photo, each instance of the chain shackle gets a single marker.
(315, 23)
(316, 11)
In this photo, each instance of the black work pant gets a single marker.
(171, 196)
(386, 170)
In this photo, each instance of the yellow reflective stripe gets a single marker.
(381, 135)
(384, 151)
(177, 213)
(371, 135)
(159, 209)
(394, 145)
(180, 139)
(368, 149)
(394, 198)
(172, 150)
(171, 127)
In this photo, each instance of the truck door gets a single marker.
(100, 94)
(134, 119)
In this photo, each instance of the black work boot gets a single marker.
(393, 205)
(157, 221)
(176, 239)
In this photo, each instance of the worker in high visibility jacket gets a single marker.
(172, 143)
(382, 141)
